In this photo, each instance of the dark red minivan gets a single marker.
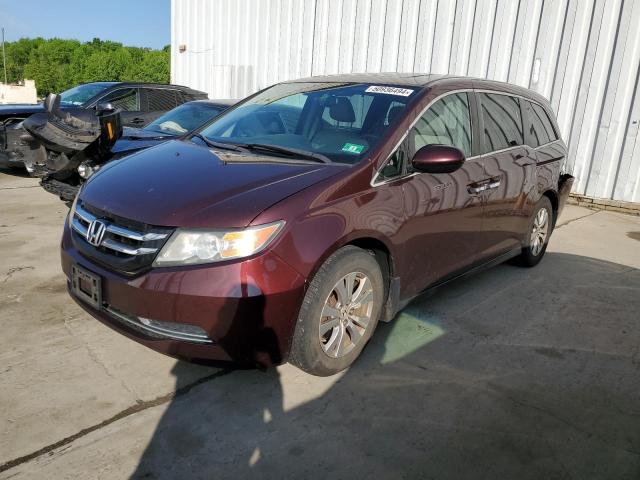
(290, 225)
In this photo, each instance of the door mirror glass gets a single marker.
(105, 107)
(438, 159)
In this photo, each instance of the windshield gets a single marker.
(184, 118)
(342, 122)
(79, 95)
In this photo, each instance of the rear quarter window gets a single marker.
(541, 129)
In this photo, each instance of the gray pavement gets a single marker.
(511, 373)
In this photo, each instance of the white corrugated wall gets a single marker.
(583, 55)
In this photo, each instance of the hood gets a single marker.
(137, 138)
(181, 184)
(21, 108)
(28, 108)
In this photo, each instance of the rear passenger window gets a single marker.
(161, 100)
(447, 122)
(541, 129)
(182, 97)
(502, 122)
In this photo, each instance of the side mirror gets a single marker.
(52, 103)
(105, 107)
(438, 159)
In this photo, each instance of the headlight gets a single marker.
(85, 170)
(191, 247)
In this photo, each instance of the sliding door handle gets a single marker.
(475, 189)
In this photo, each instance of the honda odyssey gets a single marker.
(289, 226)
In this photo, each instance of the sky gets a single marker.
(138, 23)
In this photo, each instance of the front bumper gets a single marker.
(59, 188)
(9, 159)
(18, 148)
(248, 309)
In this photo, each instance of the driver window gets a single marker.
(447, 122)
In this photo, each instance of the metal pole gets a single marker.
(4, 58)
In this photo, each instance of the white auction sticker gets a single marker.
(403, 92)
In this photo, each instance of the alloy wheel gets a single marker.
(346, 314)
(539, 231)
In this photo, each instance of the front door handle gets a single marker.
(137, 120)
(487, 184)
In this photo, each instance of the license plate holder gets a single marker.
(86, 286)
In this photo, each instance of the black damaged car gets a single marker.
(73, 148)
(139, 104)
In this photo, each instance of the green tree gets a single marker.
(56, 64)
(154, 67)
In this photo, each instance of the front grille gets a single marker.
(71, 129)
(127, 246)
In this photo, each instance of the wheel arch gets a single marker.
(553, 198)
(384, 255)
(381, 253)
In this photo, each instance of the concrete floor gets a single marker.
(512, 373)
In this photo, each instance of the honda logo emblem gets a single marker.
(95, 232)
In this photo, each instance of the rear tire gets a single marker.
(538, 233)
(339, 313)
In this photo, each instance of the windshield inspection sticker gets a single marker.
(353, 148)
(403, 92)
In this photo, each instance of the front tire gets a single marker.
(339, 313)
(537, 238)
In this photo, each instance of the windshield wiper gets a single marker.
(221, 145)
(290, 152)
(138, 137)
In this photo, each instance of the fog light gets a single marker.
(184, 330)
(162, 330)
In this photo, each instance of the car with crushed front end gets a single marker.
(288, 227)
(63, 173)
(138, 102)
